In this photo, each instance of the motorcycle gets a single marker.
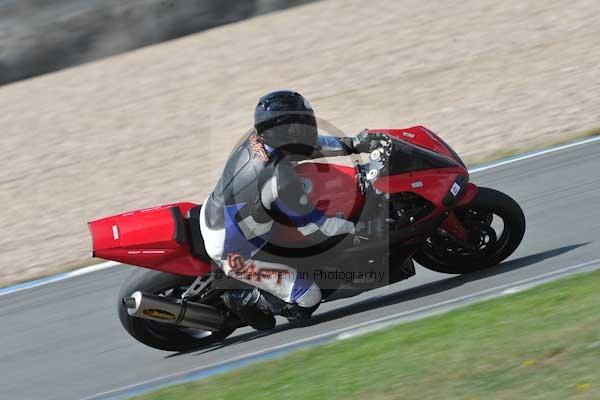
(412, 200)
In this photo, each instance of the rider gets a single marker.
(259, 186)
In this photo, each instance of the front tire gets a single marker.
(159, 335)
(489, 247)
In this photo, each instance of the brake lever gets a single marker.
(362, 182)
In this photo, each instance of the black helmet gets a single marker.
(285, 120)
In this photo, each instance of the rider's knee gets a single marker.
(309, 297)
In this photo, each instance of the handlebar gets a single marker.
(378, 160)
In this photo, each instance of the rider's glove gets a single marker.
(365, 142)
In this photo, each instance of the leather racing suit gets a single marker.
(257, 187)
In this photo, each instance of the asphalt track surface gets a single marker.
(63, 340)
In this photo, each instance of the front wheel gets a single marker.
(495, 224)
(156, 334)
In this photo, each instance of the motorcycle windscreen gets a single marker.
(407, 157)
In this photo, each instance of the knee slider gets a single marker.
(310, 296)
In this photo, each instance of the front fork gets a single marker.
(451, 227)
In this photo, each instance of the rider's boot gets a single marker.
(293, 312)
(250, 306)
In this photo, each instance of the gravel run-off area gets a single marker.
(155, 125)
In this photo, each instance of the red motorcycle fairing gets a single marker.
(433, 185)
(332, 188)
(159, 238)
(445, 187)
(336, 187)
(440, 177)
(155, 238)
(334, 191)
(423, 137)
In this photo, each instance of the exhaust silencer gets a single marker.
(174, 311)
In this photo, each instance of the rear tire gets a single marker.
(155, 334)
(440, 256)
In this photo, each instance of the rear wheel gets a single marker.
(156, 334)
(495, 224)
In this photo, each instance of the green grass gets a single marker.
(543, 343)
